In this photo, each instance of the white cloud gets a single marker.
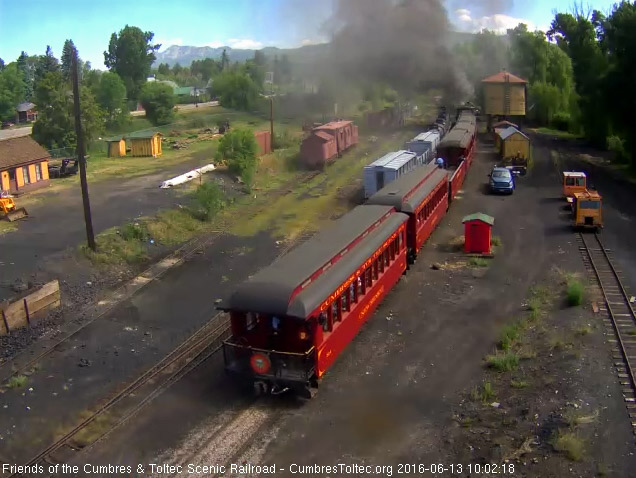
(245, 43)
(498, 22)
(168, 42)
(241, 43)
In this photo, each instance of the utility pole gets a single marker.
(271, 121)
(90, 236)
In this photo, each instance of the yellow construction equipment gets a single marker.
(9, 211)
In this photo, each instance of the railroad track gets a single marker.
(621, 318)
(127, 402)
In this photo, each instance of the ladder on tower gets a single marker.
(507, 97)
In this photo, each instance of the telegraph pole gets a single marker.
(271, 120)
(90, 236)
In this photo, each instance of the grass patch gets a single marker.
(478, 262)
(575, 418)
(556, 133)
(456, 243)
(584, 330)
(98, 427)
(509, 335)
(539, 297)
(503, 362)
(173, 226)
(519, 384)
(17, 381)
(631, 332)
(570, 444)
(113, 248)
(575, 292)
(483, 393)
(6, 226)
(495, 241)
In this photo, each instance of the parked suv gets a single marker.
(501, 180)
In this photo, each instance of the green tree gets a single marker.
(618, 39)
(576, 35)
(235, 90)
(26, 65)
(158, 101)
(11, 91)
(46, 63)
(163, 69)
(239, 149)
(67, 59)
(55, 126)
(177, 68)
(111, 97)
(131, 54)
(225, 60)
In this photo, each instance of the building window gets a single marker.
(38, 172)
(25, 175)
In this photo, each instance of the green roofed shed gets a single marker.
(478, 233)
(116, 146)
(480, 216)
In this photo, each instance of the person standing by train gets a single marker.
(440, 163)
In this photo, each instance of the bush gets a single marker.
(284, 140)
(616, 145)
(575, 293)
(509, 335)
(238, 148)
(561, 121)
(209, 199)
(158, 101)
(133, 232)
(503, 362)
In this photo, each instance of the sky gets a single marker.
(33, 24)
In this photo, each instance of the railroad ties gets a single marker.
(619, 320)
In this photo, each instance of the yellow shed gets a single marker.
(145, 144)
(504, 95)
(512, 142)
(116, 146)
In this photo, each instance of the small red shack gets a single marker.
(477, 233)
(264, 140)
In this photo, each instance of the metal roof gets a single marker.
(426, 136)
(456, 138)
(574, 174)
(25, 106)
(480, 216)
(504, 77)
(396, 159)
(322, 135)
(406, 192)
(509, 131)
(270, 291)
(142, 134)
(334, 125)
(21, 150)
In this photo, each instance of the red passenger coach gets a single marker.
(423, 195)
(291, 320)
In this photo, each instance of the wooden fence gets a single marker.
(24, 311)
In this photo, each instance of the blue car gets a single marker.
(501, 181)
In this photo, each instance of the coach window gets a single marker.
(324, 321)
(375, 269)
(380, 263)
(368, 277)
(344, 300)
(335, 311)
(386, 257)
(361, 284)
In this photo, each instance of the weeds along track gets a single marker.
(125, 403)
(620, 317)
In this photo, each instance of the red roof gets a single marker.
(334, 125)
(323, 135)
(503, 77)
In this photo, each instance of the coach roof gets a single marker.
(270, 290)
(407, 192)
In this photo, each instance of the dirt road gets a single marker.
(15, 133)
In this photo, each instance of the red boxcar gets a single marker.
(314, 151)
(264, 140)
(423, 195)
(318, 149)
(291, 320)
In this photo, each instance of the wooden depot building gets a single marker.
(24, 165)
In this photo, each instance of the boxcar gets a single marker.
(423, 195)
(292, 319)
(388, 168)
(458, 143)
(425, 143)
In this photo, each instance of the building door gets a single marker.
(13, 185)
